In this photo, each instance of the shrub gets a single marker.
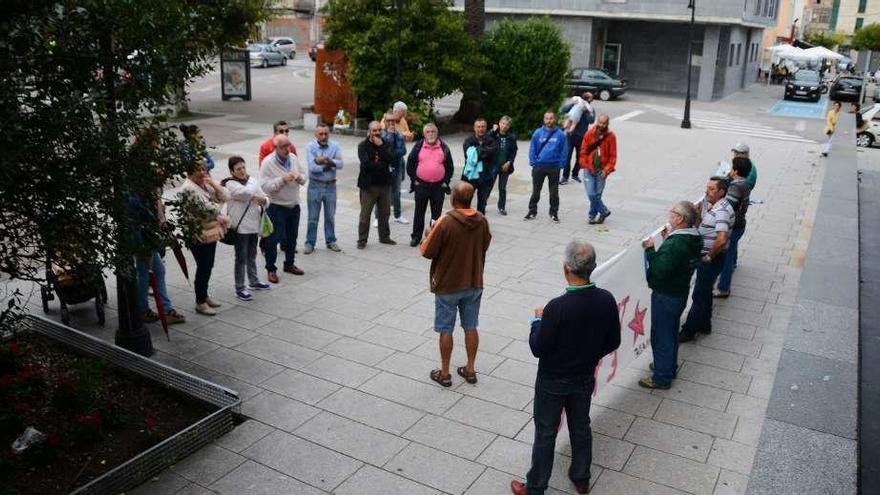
(524, 71)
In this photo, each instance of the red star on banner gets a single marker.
(637, 324)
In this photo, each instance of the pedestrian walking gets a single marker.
(324, 158)
(738, 195)
(244, 209)
(456, 245)
(669, 276)
(430, 169)
(577, 123)
(281, 176)
(505, 159)
(395, 139)
(480, 153)
(716, 215)
(546, 157)
(598, 159)
(569, 336)
(831, 119)
(376, 160)
(208, 196)
(268, 146)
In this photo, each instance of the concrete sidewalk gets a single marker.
(333, 366)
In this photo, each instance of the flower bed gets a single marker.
(105, 427)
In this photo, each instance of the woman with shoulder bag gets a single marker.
(831, 125)
(246, 202)
(207, 197)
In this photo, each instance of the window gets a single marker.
(862, 5)
(738, 52)
(730, 55)
(859, 22)
(758, 7)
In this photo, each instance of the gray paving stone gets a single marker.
(824, 330)
(517, 371)
(485, 362)
(208, 464)
(732, 456)
(715, 377)
(610, 422)
(520, 351)
(731, 483)
(628, 401)
(239, 365)
(371, 410)
(747, 406)
(278, 411)
(222, 333)
(340, 371)
(336, 323)
(711, 357)
(303, 460)
(709, 421)
(358, 351)
(279, 351)
(434, 468)
(494, 482)
(399, 340)
(370, 480)
(166, 483)
(245, 318)
(671, 470)
(608, 452)
(500, 391)
(730, 344)
(194, 489)
(450, 436)
(184, 346)
(670, 439)
(298, 333)
(300, 386)
(615, 483)
(793, 459)
(748, 430)
(488, 416)
(244, 390)
(351, 438)
(256, 479)
(761, 386)
(406, 322)
(420, 394)
(244, 435)
(408, 365)
(694, 393)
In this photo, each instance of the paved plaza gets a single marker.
(332, 366)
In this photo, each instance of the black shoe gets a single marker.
(576, 179)
(592, 220)
(415, 242)
(563, 182)
(684, 337)
(390, 242)
(361, 245)
(602, 216)
(554, 218)
(503, 213)
(530, 216)
(705, 331)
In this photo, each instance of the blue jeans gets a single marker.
(666, 312)
(286, 223)
(699, 317)
(143, 274)
(246, 260)
(594, 185)
(464, 302)
(321, 194)
(730, 260)
(552, 395)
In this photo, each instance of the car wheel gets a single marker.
(864, 140)
(284, 61)
(604, 95)
(786, 97)
(292, 55)
(264, 64)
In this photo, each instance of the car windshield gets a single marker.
(256, 48)
(851, 82)
(806, 76)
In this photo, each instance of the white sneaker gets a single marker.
(375, 223)
(401, 220)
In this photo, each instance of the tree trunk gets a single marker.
(182, 101)
(475, 24)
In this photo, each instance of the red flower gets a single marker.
(151, 423)
(97, 419)
(22, 407)
(24, 374)
(13, 347)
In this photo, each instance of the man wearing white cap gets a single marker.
(742, 150)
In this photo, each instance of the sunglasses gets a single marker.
(285, 131)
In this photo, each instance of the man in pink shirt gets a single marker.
(268, 145)
(430, 169)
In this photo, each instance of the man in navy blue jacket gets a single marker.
(547, 157)
(569, 336)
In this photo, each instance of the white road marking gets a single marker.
(629, 115)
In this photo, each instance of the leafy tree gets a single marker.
(525, 71)
(867, 38)
(828, 40)
(81, 79)
(437, 56)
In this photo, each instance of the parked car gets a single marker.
(263, 55)
(284, 45)
(313, 51)
(870, 132)
(804, 84)
(601, 83)
(846, 88)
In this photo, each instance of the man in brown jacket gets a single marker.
(456, 244)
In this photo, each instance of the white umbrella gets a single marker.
(818, 52)
(789, 52)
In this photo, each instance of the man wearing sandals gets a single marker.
(456, 244)
(569, 336)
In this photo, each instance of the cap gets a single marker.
(740, 148)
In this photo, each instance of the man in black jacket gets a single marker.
(569, 336)
(430, 169)
(376, 158)
(507, 149)
(487, 149)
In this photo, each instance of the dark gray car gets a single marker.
(603, 85)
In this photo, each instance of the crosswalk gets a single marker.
(722, 123)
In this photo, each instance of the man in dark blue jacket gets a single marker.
(547, 157)
(569, 336)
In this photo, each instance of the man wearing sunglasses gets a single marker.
(268, 145)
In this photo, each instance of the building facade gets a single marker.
(297, 19)
(847, 16)
(646, 41)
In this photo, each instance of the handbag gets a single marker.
(231, 236)
(266, 226)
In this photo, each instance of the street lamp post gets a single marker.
(686, 121)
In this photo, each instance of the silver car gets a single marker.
(264, 56)
(284, 45)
